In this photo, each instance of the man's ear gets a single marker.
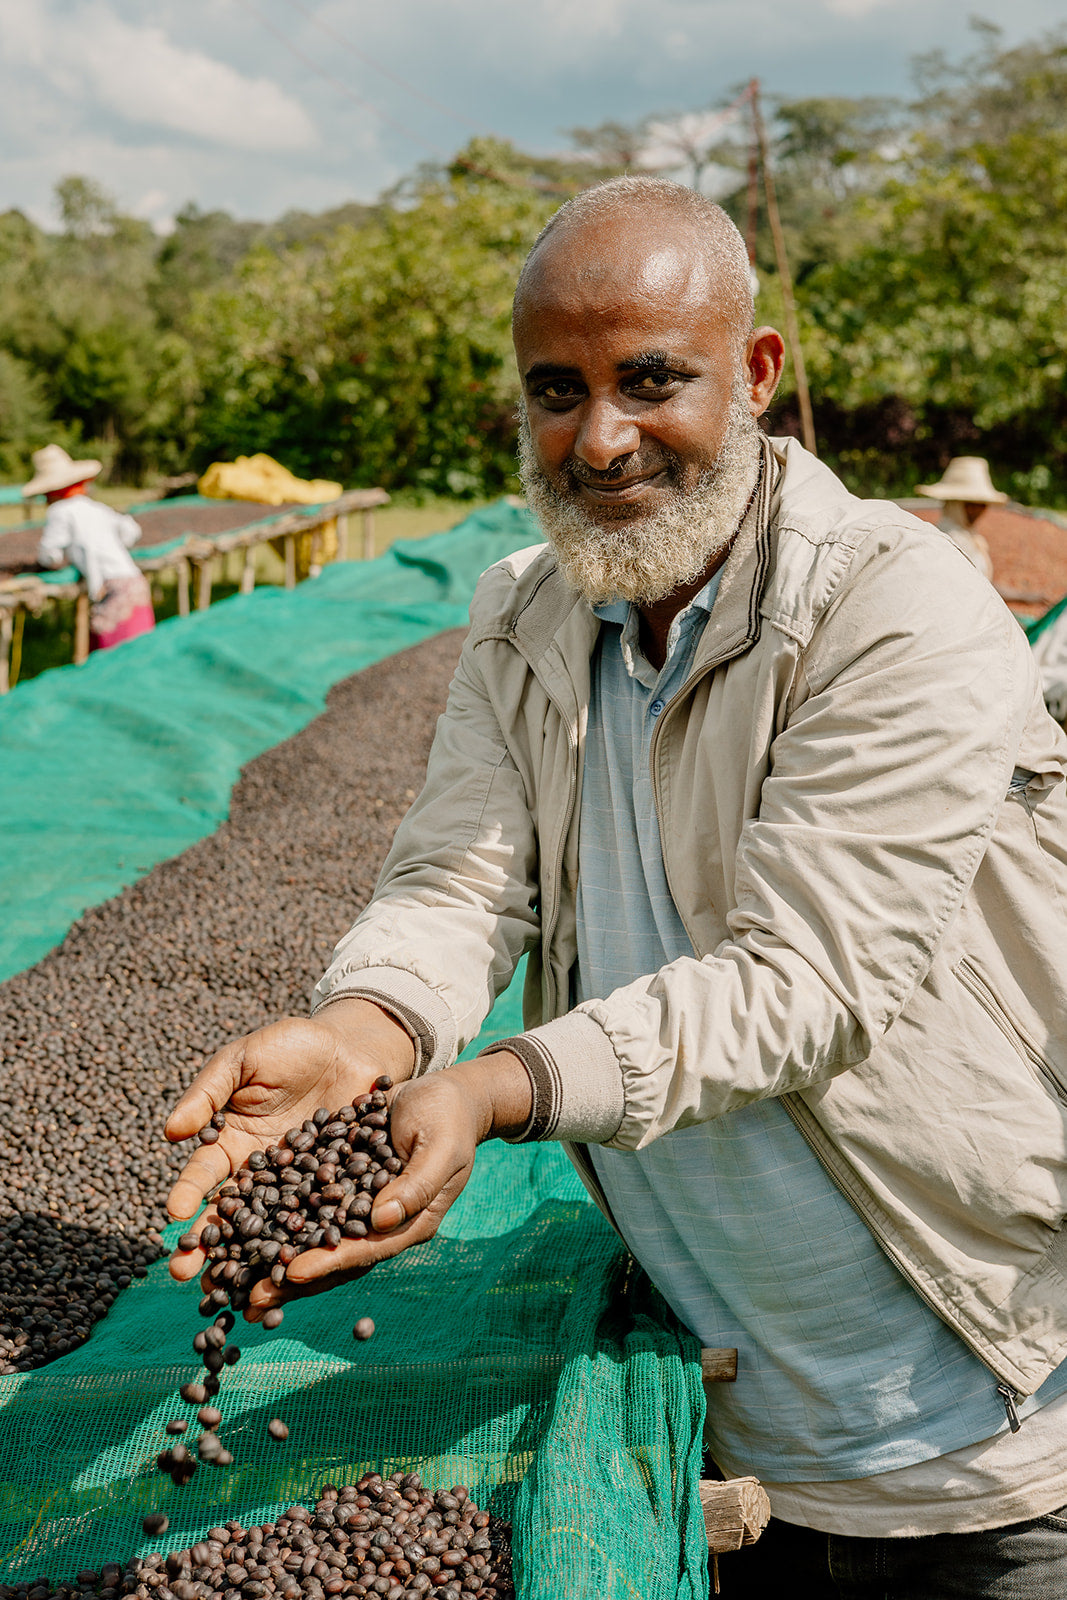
(764, 357)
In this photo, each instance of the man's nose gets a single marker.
(604, 434)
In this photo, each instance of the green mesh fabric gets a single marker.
(138, 749)
(511, 1355)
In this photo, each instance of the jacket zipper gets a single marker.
(548, 925)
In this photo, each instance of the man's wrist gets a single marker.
(499, 1085)
(372, 1032)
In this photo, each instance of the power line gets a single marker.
(338, 83)
(515, 182)
(387, 72)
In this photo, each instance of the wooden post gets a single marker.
(183, 587)
(203, 584)
(7, 625)
(753, 184)
(792, 330)
(368, 535)
(315, 560)
(290, 560)
(248, 570)
(81, 629)
(342, 537)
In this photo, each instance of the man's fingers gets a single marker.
(418, 1186)
(208, 1093)
(207, 1166)
(187, 1264)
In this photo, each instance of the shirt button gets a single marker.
(656, 707)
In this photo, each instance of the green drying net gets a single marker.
(513, 1354)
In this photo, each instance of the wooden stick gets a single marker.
(315, 558)
(735, 1512)
(368, 534)
(183, 587)
(7, 625)
(718, 1366)
(342, 536)
(792, 330)
(203, 584)
(81, 629)
(290, 560)
(248, 570)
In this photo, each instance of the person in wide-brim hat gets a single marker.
(965, 490)
(89, 535)
(54, 470)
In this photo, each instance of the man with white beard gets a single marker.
(785, 838)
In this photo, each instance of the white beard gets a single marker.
(644, 559)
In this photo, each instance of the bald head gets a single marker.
(647, 231)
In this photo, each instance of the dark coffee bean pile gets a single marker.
(389, 1538)
(309, 1192)
(98, 1041)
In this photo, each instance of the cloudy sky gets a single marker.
(259, 106)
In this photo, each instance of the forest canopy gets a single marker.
(928, 242)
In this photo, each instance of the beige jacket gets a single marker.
(879, 927)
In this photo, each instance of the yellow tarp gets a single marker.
(262, 478)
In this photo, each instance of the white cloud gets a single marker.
(853, 8)
(138, 73)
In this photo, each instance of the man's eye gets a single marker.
(649, 381)
(560, 391)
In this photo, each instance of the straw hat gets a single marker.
(53, 469)
(966, 478)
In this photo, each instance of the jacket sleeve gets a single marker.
(885, 783)
(454, 908)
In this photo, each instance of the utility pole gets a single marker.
(753, 183)
(792, 331)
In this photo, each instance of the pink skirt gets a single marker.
(123, 611)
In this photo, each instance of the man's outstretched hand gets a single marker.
(277, 1077)
(274, 1079)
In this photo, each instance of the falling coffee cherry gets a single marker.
(364, 1328)
(155, 1523)
(277, 1429)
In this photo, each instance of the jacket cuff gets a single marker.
(575, 1081)
(413, 1003)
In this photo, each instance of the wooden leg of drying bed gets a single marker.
(290, 560)
(183, 588)
(248, 570)
(342, 536)
(81, 630)
(368, 535)
(7, 628)
(203, 584)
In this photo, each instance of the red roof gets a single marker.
(1029, 554)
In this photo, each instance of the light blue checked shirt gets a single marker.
(843, 1371)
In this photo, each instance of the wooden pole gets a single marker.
(81, 629)
(753, 184)
(203, 584)
(248, 570)
(792, 331)
(7, 625)
(290, 560)
(368, 535)
(183, 587)
(342, 537)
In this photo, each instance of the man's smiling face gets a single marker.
(628, 363)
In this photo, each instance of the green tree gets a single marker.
(383, 357)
